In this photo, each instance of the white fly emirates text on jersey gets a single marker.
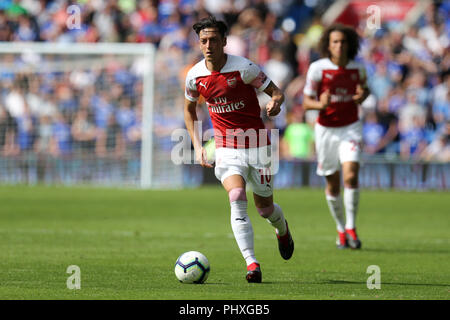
(341, 96)
(221, 105)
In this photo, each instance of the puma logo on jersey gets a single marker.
(328, 76)
(203, 84)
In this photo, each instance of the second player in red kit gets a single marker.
(336, 85)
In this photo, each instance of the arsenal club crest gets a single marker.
(232, 82)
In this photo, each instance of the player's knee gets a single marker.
(333, 190)
(351, 181)
(266, 211)
(333, 186)
(237, 194)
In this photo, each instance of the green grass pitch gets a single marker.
(126, 242)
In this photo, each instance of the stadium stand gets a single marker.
(405, 118)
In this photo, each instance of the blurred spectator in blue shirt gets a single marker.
(439, 149)
(84, 132)
(26, 31)
(412, 139)
(441, 112)
(380, 83)
(26, 132)
(380, 130)
(372, 132)
(102, 109)
(125, 115)
(61, 142)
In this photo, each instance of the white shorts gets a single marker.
(251, 164)
(337, 145)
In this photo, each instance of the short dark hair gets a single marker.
(211, 22)
(351, 36)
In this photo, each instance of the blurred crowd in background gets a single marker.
(406, 116)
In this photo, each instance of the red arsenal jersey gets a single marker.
(341, 81)
(231, 99)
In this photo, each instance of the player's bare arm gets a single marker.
(361, 94)
(311, 103)
(190, 116)
(273, 108)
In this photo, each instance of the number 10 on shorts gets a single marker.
(265, 175)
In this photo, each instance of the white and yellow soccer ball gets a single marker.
(192, 267)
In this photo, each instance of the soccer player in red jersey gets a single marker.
(228, 84)
(336, 85)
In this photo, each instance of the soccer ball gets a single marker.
(192, 267)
